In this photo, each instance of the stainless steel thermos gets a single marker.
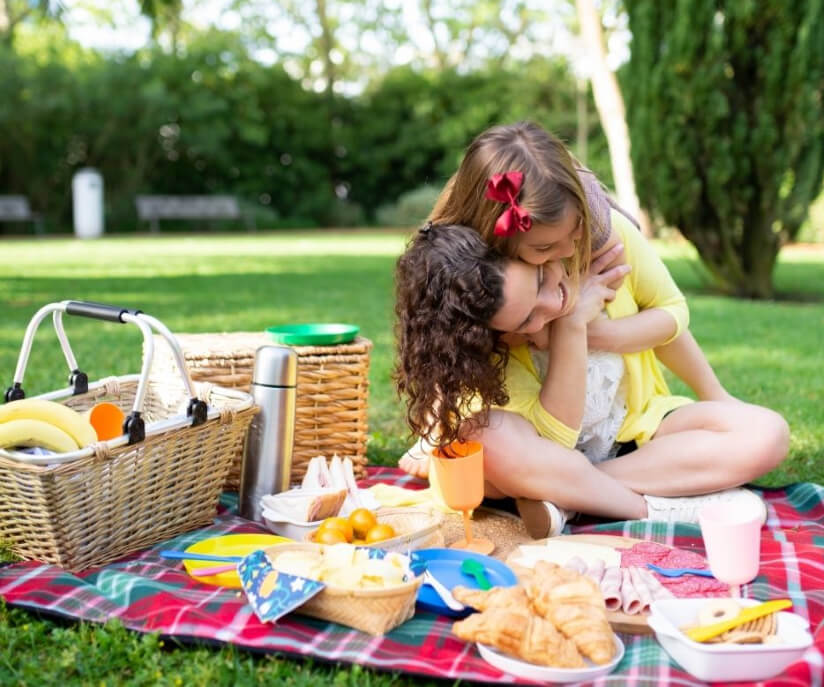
(267, 459)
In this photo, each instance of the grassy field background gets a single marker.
(765, 352)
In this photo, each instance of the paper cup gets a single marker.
(732, 540)
(107, 420)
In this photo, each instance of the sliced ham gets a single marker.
(577, 564)
(611, 587)
(659, 591)
(641, 587)
(596, 569)
(630, 599)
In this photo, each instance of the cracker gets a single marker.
(741, 637)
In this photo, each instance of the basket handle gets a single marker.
(133, 425)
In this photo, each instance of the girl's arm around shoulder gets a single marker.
(662, 309)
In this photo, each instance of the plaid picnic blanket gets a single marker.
(150, 594)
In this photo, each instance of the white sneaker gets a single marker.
(542, 518)
(686, 508)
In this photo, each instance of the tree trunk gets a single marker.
(611, 111)
(582, 112)
(5, 22)
(327, 42)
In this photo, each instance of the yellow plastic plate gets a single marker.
(228, 545)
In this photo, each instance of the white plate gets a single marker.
(532, 671)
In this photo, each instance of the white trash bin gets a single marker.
(87, 199)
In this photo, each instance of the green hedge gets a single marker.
(212, 120)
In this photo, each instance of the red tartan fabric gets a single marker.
(150, 594)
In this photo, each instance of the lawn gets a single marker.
(764, 352)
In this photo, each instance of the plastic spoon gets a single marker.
(185, 556)
(470, 566)
(214, 570)
(677, 572)
(446, 596)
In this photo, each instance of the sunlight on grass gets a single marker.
(764, 352)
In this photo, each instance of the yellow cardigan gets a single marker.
(648, 285)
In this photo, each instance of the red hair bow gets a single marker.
(504, 188)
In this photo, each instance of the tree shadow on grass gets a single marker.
(794, 282)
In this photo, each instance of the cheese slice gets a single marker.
(559, 552)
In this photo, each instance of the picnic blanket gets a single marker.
(151, 594)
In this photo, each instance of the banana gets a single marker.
(27, 432)
(64, 418)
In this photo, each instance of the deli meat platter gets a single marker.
(619, 565)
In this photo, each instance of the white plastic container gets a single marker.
(726, 662)
(87, 203)
(280, 524)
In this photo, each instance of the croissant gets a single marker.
(513, 598)
(574, 604)
(523, 635)
(551, 584)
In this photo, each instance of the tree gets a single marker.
(165, 16)
(14, 12)
(610, 106)
(724, 100)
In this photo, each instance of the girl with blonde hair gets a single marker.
(522, 192)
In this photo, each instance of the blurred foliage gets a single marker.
(210, 119)
(411, 208)
(724, 102)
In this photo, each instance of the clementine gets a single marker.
(362, 520)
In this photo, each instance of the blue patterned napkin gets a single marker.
(273, 594)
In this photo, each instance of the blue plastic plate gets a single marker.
(445, 565)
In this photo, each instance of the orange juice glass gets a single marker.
(461, 477)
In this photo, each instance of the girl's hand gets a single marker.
(596, 291)
(610, 255)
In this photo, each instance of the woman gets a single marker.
(457, 301)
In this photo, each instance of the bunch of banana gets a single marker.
(50, 425)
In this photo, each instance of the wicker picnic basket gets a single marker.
(99, 503)
(375, 611)
(332, 390)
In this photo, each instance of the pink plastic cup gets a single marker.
(732, 540)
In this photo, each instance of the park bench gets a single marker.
(17, 209)
(155, 208)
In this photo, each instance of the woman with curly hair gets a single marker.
(523, 192)
(459, 303)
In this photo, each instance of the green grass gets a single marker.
(765, 352)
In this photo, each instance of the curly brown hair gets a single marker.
(451, 363)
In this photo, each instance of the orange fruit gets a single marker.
(362, 520)
(341, 524)
(380, 533)
(330, 535)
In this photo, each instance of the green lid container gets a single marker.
(317, 334)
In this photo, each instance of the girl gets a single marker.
(568, 211)
(457, 299)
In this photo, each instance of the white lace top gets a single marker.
(605, 405)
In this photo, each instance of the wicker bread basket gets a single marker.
(416, 528)
(375, 611)
(332, 390)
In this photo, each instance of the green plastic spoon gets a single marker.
(476, 569)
